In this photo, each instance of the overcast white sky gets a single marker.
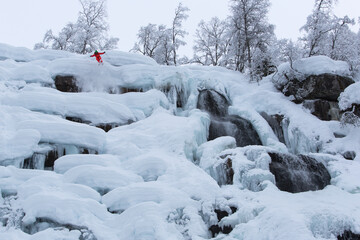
(24, 22)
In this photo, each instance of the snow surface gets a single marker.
(154, 175)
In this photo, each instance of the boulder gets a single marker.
(234, 126)
(325, 86)
(66, 84)
(298, 173)
(213, 102)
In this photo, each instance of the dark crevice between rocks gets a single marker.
(127, 90)
(104, 126)
(44, 223)
(298, 173)
(216, 229)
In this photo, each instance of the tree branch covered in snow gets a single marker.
(86, 35)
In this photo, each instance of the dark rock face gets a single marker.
(235, 126)
(213, 102)
(298, 173)
(224, 125)
(66, 84)
(324, 110)
(324, 86)
(348, 235)
(276, 123)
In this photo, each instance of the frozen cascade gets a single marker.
(296, 141)
(223, 124)
(213, 102)
(298, 173)
(45, 158)
(37, 161)
(236, 127)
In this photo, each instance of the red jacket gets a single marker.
(97, 55)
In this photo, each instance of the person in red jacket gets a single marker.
(97, 56)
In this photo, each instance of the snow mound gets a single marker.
(350, 96)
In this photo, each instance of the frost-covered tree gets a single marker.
(150, 37)
(289, 51)
(160, 42)
(88, 33)
(211, 43)
(177, 31)
(155, 41)
(251, 31)
(343, 42)
(318, 27)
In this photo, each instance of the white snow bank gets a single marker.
(11, 178)
(96, 110)
(65, 132)
(305, 67)
(49, 233)
(146, 221)
(181, 135)
(207, 151)
(22, 54)
(55, 183)
(120, 58)
(350, 96)
(67, 162)
(344, 173)
(17, 144)
(52, 129)
(102, 179)
(123, 198)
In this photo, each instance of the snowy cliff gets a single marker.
(141, 151)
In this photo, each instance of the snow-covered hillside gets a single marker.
(142, 151)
